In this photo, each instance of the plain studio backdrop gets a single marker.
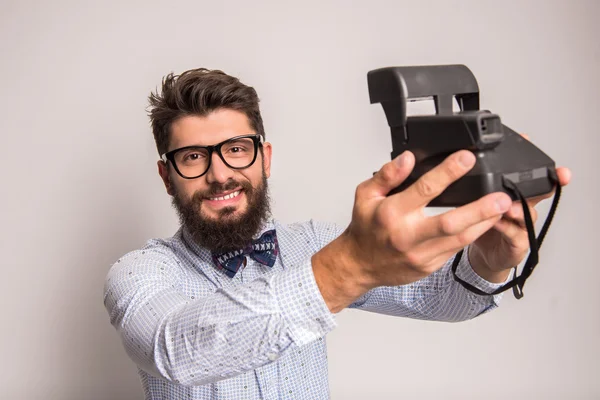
(80, 183)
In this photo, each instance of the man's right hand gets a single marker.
(390, 241)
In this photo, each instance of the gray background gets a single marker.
(80, 186)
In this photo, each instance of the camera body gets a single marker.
(501, 153)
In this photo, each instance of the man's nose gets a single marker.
(218, 172)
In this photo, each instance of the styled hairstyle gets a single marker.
(199, 92)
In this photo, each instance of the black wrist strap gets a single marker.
(518, 282)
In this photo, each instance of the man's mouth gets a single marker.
(227, 196)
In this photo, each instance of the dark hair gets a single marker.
(199, 92)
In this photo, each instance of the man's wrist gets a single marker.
(338, 275)
(481, 268)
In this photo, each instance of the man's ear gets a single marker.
(267, 153)
(163, 171)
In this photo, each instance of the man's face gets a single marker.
(219, 224)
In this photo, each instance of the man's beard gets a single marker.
(226, 232)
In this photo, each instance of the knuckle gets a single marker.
(486, 212)
(413, 259)
(359, 190)
(401, 245)
(386, 214)
(425, 187)
(464, 238)
(446, 225)
(387, 173)
(453, 170)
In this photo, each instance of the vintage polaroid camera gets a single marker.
(502, 154)
(505, 160)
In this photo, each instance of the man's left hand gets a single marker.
(504, 246)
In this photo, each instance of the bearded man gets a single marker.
(237, 305)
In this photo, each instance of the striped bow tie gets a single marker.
(264, 250)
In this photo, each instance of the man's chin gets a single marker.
(218, 226)
(228, 214)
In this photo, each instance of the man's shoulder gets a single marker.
(162, 252)
(310, 225)
(155, 265)
(320, 231)
(160, 247)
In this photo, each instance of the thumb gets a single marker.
(388, 177)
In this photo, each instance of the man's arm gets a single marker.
(391, 242)
(437, 297)
(226, 333)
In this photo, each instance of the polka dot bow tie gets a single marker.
(264, 250)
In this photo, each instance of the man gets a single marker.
(237, 305)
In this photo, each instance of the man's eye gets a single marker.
(238, 149)
(192, 156)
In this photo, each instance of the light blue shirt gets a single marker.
(195, 333)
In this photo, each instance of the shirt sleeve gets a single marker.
(226, 333)
(437, 297)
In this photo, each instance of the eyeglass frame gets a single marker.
(170, 155)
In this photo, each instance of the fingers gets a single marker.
(564, 175)
(452, 244)
(434, 182)
(460, 219)
(511, 230)
(517, 215)
(387, 178)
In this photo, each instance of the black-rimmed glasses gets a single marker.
(192, 162)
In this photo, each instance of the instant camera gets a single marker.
(506, 161)
(502, 154)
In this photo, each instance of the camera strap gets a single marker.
(518, 282)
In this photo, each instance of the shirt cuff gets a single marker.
(466, 272)
(302, 304)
